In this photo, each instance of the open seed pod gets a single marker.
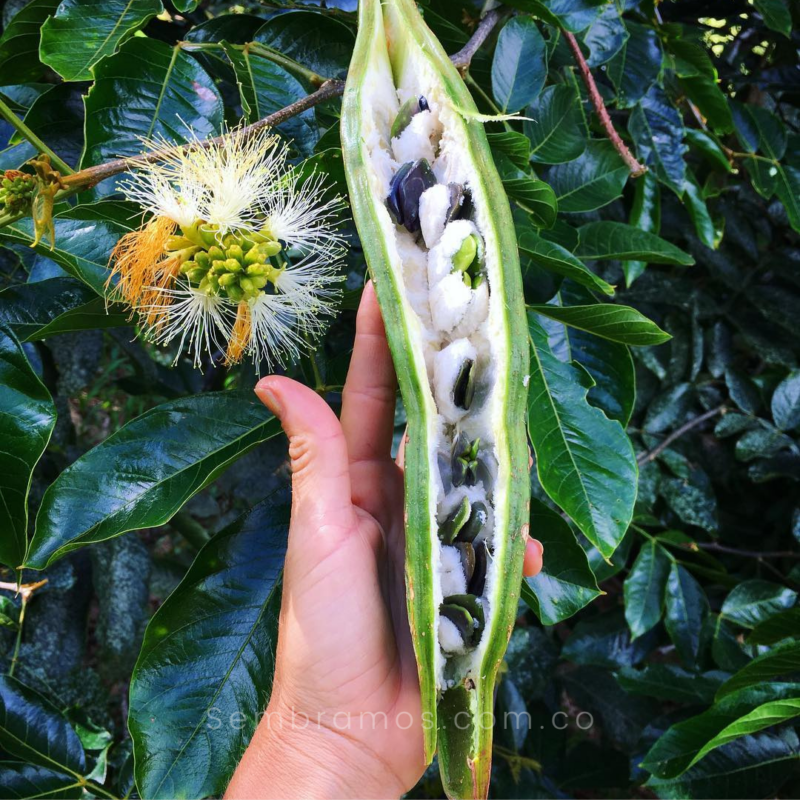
(461, 356)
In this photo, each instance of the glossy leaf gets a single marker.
(27, 418)
(126, 483)
(755, 601)
(673, 752)
(776, 15)
(558, 259)
(644, 588)
(19, 780)
(686, 609)
(164, 91)
(605, 641)
(34, 730)
(321, 43)
(534, 196)
(785, 402)
(519, 67)
(646, 216)
(573, 15)
(600, 241)
(85, 237)
(57, 305)
(556, 128)
(19, 44)
(618, 323)
(590, 181)
(266, 87)
(208, 654)
(606, 36)
(671, 682)
(566, 583)
(657, 129)
(775, 628)
(783, 659)
(82, 32)
(584, 460)
(637, 65)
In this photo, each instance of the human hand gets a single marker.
(344, 719)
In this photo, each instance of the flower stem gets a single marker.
(289, 64)
(10, 117)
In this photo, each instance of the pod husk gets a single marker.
(390, 32)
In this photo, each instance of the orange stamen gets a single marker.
(154, 299)
(137, 257)
(240, 335)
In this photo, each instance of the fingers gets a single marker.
(532, 565)
(317, 448)
(370, 392)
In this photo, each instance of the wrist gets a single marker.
(296, 755)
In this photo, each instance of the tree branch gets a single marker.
(463, 58)
(637, 169)
(735, 551)
(644, 458)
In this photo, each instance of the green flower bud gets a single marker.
(235, 293)
(232, 265)
(228, 279)
(234, 251)
(215, 253)
(203, 260)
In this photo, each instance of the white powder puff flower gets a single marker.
(241, 252)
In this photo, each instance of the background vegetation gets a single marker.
(671, 668)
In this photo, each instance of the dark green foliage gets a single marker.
(657, 653)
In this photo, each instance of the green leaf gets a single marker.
(57, 305)
(674, 751)
(19, 44)
(644, 588)
(266, 87)
(321, 43)
(558, 259)
(646, 216)
(163, 92)
(606, 36)
(637, 65)
(657, 130)
(584, 460)
(692, 499)
(609, 364)
(208, 653)
(787, 188)
(33, 730)
(573, 15)
(785, 404)
(534, 196)
(515, 146)
(126, 483)
(85, 237)
(601, 241)
(618, 323)
(764, 716)
(755, 766)
(556, 128)
(695, 204)
(762, 442)
(783, 625)
(711, 101)
(776, 15)
(671, 682)
(783, 659)
(708, 147)
(27, 418)
(686, 611)
(590, 181)
(82, 32)
(566, 583)
(604, 641)
(755, 601)
(519, 67)
(20, 780)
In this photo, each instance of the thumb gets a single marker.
(317, 449)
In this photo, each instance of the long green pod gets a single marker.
(439, 240)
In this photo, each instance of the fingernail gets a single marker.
(268, 397)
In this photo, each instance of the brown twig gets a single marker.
(463, 58)
(644, 458)
(93, 175)
(25, 590)
(637, 169)
(735, 551)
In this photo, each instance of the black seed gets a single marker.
(464, 389)
(462, 619)
(472, 605)
(456, 201)
(423, 104)
(451, 527)
(467, 553)
(407, 186)
(460, 469)
(477, 582)
(478, 515)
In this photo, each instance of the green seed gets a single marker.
(450, 528)
(404, 115)
(463, 259)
